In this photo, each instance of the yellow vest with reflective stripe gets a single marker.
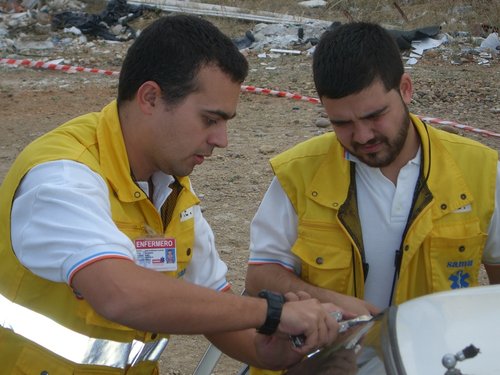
(443, 244)
(95, 140)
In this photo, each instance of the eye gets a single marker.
(341, 124)
(210, 121)
(375, 116)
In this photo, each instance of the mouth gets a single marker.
(370, 148)
(198, 159)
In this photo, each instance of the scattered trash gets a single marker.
(313, 3)
(286, 51)
(245, 41)
(117, 12)
(405, 39)
(215, 10)
(41, 27)
(491, 43)
(286, 35)
(421, 45)
(488, 29)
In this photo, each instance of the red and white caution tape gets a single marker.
(244, 88)
(435, 120)
(53, 66)
(281, 94)
(432, 120)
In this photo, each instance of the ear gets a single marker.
(148, 96)
(406, 88)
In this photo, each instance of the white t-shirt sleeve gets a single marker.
(61, 221)
(273, 230)
(491, 253)
(206, 268)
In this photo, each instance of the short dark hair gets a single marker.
(350, 57)
(171, 51)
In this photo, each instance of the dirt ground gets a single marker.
(232, 182)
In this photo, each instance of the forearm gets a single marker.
(147, 300)
(238, 345)
(277, 278)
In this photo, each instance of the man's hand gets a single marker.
(353, 306)
(276, 352)
(306, 316)
(301, 315)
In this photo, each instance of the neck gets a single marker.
(135, 142)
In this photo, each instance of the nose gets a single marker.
(362, 132)
(218, 135)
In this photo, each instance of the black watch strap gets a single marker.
(275, 302)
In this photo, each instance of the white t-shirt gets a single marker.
(61, 222)
(383, 209)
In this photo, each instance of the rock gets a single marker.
(322, 122)
(267, 149)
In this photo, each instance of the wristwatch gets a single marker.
(275, 302)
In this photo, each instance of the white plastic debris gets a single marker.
(419, 46)
(313, 3)
(491, 43)
(286, 51)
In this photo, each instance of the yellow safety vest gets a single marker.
(443, 242)
(43, 326)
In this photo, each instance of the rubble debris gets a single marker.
(48, 26)
(313, 3)
(11, 6)
(222, 11)
(491, 43)
(405, 38)
(117, 12)
(244, 41)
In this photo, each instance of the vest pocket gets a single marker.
(455, 262)
(326, 257)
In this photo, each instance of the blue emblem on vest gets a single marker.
(459, 280)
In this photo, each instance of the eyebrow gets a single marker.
(365, 117)
(224, 115)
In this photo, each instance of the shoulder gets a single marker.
(314, 148)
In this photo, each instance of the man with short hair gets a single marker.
(385, 208)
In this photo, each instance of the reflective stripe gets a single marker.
(72, 345)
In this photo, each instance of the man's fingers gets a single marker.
(322, 333)
(303, 295)
(291, 297)
(297, 296)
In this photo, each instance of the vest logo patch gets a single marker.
(464, 209)
(459, 279)
(187, 214)
(461, 264)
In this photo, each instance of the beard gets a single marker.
(392, 147)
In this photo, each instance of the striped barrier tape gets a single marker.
(433, 120)
(52, 66)
(244, 88)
